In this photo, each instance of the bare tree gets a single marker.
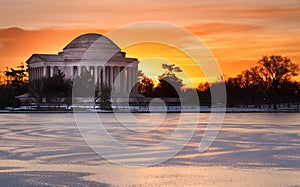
(271, 72)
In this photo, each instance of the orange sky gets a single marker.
(238, 32)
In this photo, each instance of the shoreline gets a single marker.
(228, 110)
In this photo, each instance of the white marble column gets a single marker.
(117, 79)
(44, 71)
(99, 76)
(39, 72)
(122, 80)
(71, 73)
(85, 69)
(79, 70)
(107, 81)
(51, 71)
(126, 80)
(129, 83)
(36, 73)
(133, 79)
(111, 68)
(90, 71)
(96, 74)
(103, 76)
(32, 72)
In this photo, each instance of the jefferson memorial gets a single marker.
(93, 53)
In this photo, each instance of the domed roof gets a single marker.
(86, 40)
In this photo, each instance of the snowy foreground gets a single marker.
(251, 149)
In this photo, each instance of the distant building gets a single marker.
(93, 53)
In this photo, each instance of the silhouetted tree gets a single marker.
(36, 90)
(84, 85)
(105, 95)
(271, 72)
(289, 92)
(169, 84)
(243, 90)
(57, 87)
(16, 77)
(15, 84)
(146, 86)
(204, 94)
(6, 96)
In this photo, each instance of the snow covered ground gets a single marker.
(252, 149)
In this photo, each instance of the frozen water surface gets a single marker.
(252, 149)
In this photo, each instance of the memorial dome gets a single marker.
(87, 40)
(90, 46)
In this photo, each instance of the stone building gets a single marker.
(93, 53)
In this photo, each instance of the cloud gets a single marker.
(109, 14)
(269, 12)
(221, 28)
(19, 44)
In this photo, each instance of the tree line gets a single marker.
(270, 83)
